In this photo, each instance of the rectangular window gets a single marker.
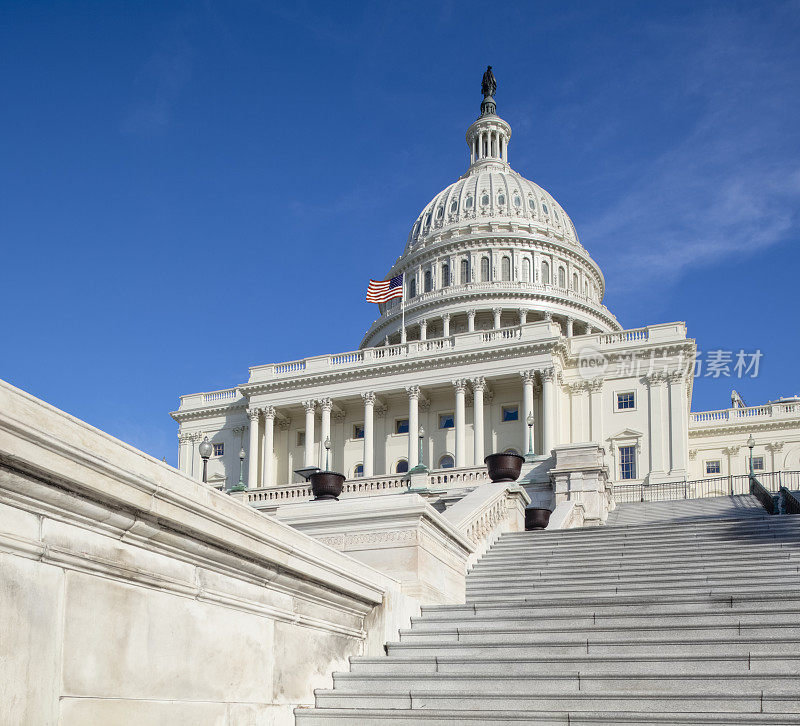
(358, 431)
(510, 413)
(626, 401)
(713, 467)
(446, 421)
(219, 449)
(758, 463)
(301, 438)
(401, 426)
(627, 462)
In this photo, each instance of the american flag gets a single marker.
(379, 291)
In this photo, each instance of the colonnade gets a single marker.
(567, 323)
(545, 377)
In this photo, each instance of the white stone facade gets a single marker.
(503, 316)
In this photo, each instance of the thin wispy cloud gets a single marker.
(727, 186)
(159, 84)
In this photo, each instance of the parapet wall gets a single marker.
(130, 593)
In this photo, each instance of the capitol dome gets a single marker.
(492, 250)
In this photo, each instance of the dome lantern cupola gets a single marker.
(488, 137)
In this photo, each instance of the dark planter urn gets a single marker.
(536, 518)
(504, 467)
(326, 485)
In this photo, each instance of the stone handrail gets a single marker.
(488, 511)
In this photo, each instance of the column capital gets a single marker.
(460, 384)
(412, 391)
(368, 397)
(185, 438)
(675, 377)
(472, 313)
(253, 413)
(446, 316)
(528, 376)
(310, 405)
(423, 323)
(548, 374)
(479, 384)
(325, 404)
(548, 316)
(731, 450)
(497, 311)
(775, 446)
(569, 319)
(269, 412)
(283, 424)
(596, 385)
(656, 378)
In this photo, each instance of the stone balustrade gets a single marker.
(269, 498)
(736, 416)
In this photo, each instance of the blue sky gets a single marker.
(190, 188)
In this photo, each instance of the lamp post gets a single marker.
(205, 450)
(327, 453)
(240, 487)
(751, 442)
(421, 437)
(529, 421)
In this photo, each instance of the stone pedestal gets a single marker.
(581, 475)
(400, 535)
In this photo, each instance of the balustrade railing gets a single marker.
(367, 486)
(214, 396)
(722, 486)
(725, 415)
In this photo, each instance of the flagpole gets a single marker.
(403, 313)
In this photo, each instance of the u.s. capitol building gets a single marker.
(503, 326)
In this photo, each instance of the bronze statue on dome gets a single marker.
(488, 84)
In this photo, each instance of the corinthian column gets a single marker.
(527, 404)
(308, 454)
(369, 449)
(678, 424)
(548, 409)
(656, 422)
(325, 405)
(413, 425)
(461, 430)
(478, 387)
(252, 451)
(268, 473)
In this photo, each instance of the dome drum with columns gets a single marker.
(491, 241)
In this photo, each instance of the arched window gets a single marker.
(428, 281)
(358, 471)
(484, 269)
(562, 277)
(468, 203)
(526, 270)
(501, 199)
(412, 287)
(464, 272)
(446, 462)
(545, 273)
(575, 285)
(505, 268)
(440, 213)
(485, 199)
(401, 467)
(586, 288)
(445, 275)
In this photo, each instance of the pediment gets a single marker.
(627, 434)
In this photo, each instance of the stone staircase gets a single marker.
(688, 618)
